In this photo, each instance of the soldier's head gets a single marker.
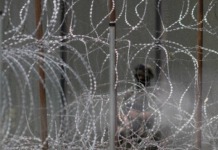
(143, 75)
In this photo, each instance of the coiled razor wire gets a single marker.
(78, 114)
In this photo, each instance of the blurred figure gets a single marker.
(136, 115)
(143, 76)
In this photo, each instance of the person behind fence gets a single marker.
(136, 113)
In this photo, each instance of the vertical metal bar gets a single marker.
(1, 57)
(113, 113)
(199, 80)
(1, 26)
(63, 55)
(113, 93)
(63, 48)
(157, 36)
(42, 92)
(63, 33)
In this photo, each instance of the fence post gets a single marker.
(1, 49)
(198, 113)
(113, 93)
(42, 92)
(158, 30)
(63, 55)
